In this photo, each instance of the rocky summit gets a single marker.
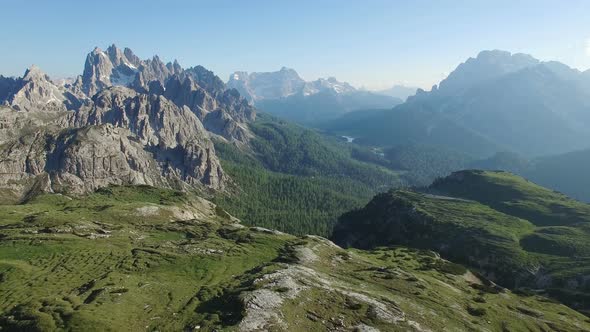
(123, 121)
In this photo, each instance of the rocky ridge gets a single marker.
(123, 121)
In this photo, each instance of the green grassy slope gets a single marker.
(124, 258)
(516, 196)
(140, 258)
(511, 230)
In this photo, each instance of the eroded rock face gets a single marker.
(116, 67)
(124, 138)
(223, 112)
(123, 121)
(36, 91)
(84, 159)
(96, 156)
(174, 134)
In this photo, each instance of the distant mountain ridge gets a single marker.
(497, 101)
(285, 94)
(399, 91)
(282, 84)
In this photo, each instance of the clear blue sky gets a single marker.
(372, 43)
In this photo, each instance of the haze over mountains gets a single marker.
(399, 91)
(495, 102)
(285, 94)
(496, 111)
(133, 197)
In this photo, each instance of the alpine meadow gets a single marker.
(295, 166)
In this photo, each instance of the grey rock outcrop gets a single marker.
(36, 91)
(124, 138)
(116, 67)
(197, 88)
(223, 113)
(123, 121)
(174, 134)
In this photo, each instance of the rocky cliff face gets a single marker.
(124, 121)
(175, 135)
(116, 67)
(223, 113)
(127, 138)
(36, 91)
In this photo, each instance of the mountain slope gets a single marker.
(410, 124)
(515, 232)
(324, 106)
(515, 196)
(267, 85)
(135, 258)
(564, 172)
(495, 102)
(295, 179)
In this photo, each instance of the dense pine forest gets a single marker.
(297, 180)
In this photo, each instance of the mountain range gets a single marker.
(495, 102)
(142, 195)
(123, 121)
(285, 94)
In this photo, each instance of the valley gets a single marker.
(142, 195)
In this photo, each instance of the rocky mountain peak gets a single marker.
(206, 79)
(486, 66)
(133, 122)
(330, 84)
(36, 91)
(131, 57)
(35, 73)
(289, 71)
(283, 83)
(118, 56)
(116, 67)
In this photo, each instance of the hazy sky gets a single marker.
(371, 43)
